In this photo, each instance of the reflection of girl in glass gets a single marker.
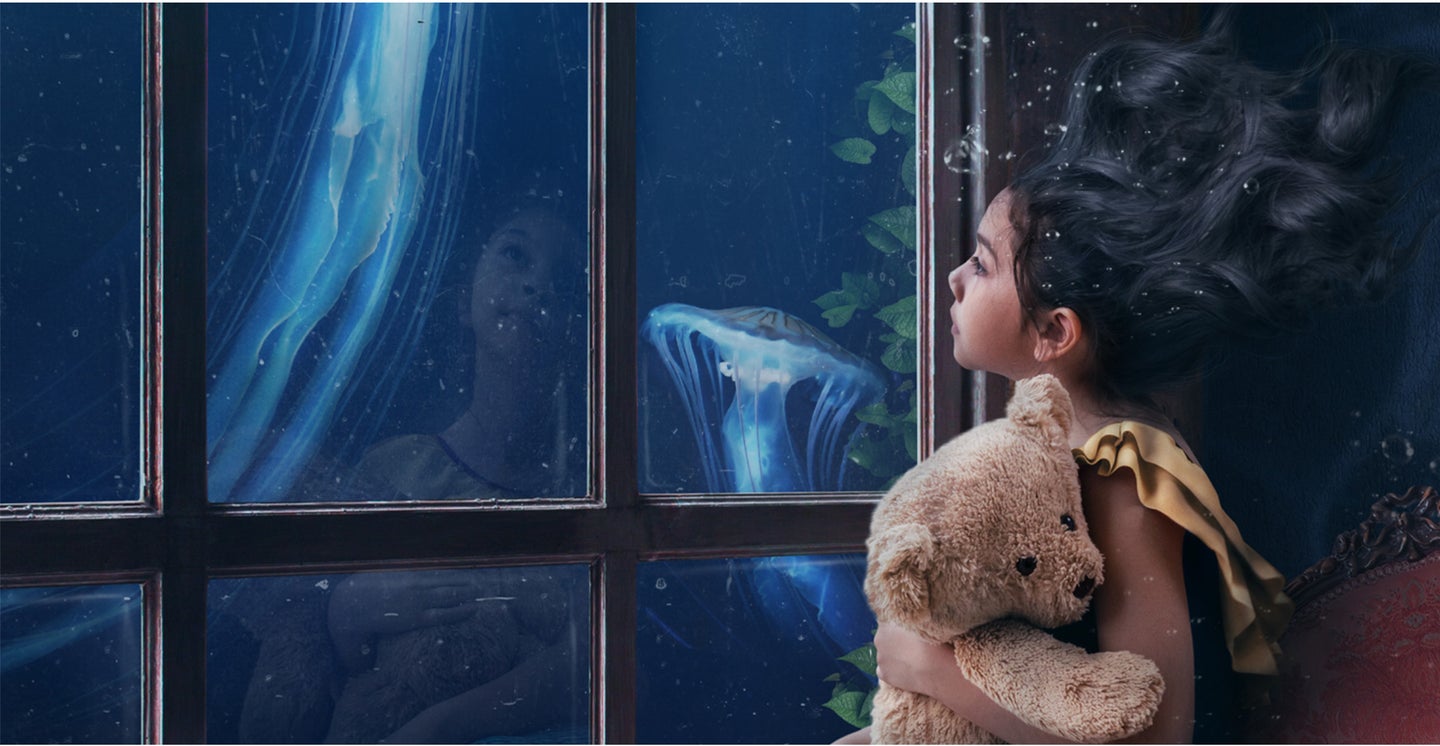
(457, 655)
(522, 310)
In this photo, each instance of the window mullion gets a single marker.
(177, 191)
(614, 334)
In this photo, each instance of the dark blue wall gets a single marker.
(1301, 441)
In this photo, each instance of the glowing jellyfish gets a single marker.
(760, 354)
(358, 197)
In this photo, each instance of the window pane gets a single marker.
(745, 650)
(776, 181)
(70, 269)
(397, 252)
(70, 664)
(447, 656)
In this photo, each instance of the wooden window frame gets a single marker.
(173, 542)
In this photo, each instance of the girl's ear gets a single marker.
(1059, 334)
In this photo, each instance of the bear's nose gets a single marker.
(1086, 585)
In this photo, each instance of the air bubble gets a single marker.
(1397, 449)
(1252, 186)
(660, 584)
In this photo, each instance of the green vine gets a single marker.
(885, 302)
(854, 695)
(884, 122)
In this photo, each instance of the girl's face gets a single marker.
(989, 329)
(514, 299)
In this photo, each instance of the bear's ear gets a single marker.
(897, 580)
(1043, 403)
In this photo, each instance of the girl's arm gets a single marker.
(1140, 608)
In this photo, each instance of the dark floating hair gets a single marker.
(1194, 199)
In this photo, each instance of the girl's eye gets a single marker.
(513, 253)
(979, 268)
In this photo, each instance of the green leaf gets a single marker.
(839, 316)
(912, 445)
(902, 122)
(863, 289)
(899, 357)
(847, 705)
(881, 238)
(913, 416)
(862, 658)
(900, 316)
(907, 32)
(832, 299)
(891, 338)
(854, 150)
(900, 222)
(879, 114)
(869, 455)
(865, 90)
(900, 89)
(875, 414)
(868, 705)
(832, 677)
(907, 171)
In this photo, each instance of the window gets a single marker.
(629, 532)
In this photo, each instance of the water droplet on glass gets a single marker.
(1046, 286)
(1093, 24)
(1052, 235)
(1397, 449)
(1252, 186)
(660, 584)
(1199, 292)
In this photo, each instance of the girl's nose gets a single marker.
(955, 282)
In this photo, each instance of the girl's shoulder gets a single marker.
(1131, 442)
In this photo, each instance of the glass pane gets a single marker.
(70, 664)
(445, 656)
(397, 303)
(746, 650)
(776, 240)
(70, 269)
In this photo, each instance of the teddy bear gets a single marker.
(981, 546)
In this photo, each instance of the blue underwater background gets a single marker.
(356, 154)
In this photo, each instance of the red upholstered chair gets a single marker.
(1362, 654)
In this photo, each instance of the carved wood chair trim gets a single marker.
(1401, 530)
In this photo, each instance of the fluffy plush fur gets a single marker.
(974, 546)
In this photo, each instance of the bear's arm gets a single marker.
(1141, 607)
(1059, 687)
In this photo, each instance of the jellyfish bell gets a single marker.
(758, 355)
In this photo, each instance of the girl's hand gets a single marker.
(367, 606)
(908, 661)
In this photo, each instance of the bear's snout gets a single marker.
(1085, 587)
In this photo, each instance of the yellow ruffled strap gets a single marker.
(1254, 605)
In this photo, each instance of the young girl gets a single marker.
(1184, 207)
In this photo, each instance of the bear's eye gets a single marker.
(1067, 522)
(1026, 565)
